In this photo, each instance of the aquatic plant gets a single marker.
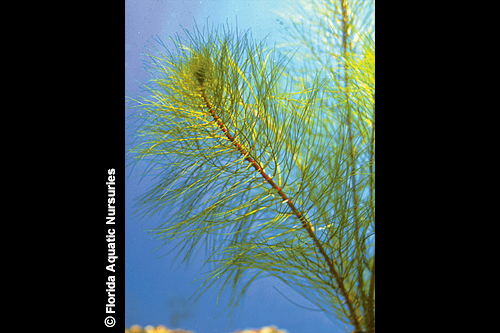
(270, 168)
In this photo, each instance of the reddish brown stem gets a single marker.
(305, 223)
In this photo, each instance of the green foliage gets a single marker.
(270, 168)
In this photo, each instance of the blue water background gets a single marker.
(155, 292)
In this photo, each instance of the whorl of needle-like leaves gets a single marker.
(233, 147)
(201, 67)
